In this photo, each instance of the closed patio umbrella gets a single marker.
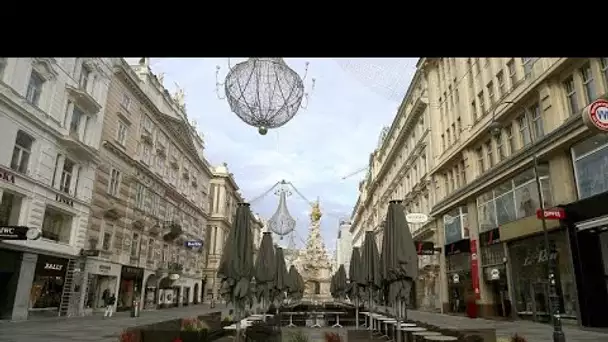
(281, 282)
(356, 281)
(295, 284)
(370, 260)
(265, 271)
(341, 282)
(236, 264)
(399, 258)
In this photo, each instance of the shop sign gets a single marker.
(494, 274)
(416, 218)
(475, 269)
(132, 271)
(7, 176)
(425, 248)
(51, 266)
(194, 244)
(551, 214)
(19, 233)
(462, 246)
(104, 269)
(456, 278)
(539, 257)
(595, 116)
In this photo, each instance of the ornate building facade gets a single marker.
(224, 196)
(150, 201)
(399, 169)
(51, 112)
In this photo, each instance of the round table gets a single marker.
(423, 334)
(408, 325)
(440, 338)
(410, 330)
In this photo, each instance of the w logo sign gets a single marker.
(596, 115)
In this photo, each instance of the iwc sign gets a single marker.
(595, 116)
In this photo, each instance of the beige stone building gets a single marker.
(399, 169)
(488, 119)
(150, 199)
(224, 196)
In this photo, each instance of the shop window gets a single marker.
(56, 226)
(47, 287)
(10, 209)
(22, 152)
(108, 233)
(591, 166)
(455, 225)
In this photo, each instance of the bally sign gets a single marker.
(55, 267)
(551, 214)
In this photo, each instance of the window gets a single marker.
(588, 82)
(22, 152)
(126, 102)
(510, 141)
(135, 246)
(443, 142)
(448, 134)
(34, 88)
(146, 153)
(150, 249)
(121, 133)
(537, 120)
(106, 237)
(490, 152)
(524, 130)
(66, 175)
(114, 184)
(147, 124)
(528, 63)
(56, 226)
(603, 66)
(500, 147)
(463, 173)
(85, 77)
(480, 163)
(474, 111)
(77, 116)
(500, 79)
(2, 67)
(512, 72)
(482, 108)
(490, 88)
(571, 95)
(459, 125)
(140, 194)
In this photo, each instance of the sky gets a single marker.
(329, 139)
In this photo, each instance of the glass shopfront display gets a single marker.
(514, 199)
(458, 269)
(47, 287)
(131, 279)
(456, 225)
(591, 166)
(529, 265)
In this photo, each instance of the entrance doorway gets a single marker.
(186, 296)
(195, 294)
(176, 296)
(9, 278)
(500, 293)
(101, 286)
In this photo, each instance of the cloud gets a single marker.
(330, 139)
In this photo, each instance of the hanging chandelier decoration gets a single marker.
(264, 92)
(281, 222)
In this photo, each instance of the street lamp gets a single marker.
(558, 334)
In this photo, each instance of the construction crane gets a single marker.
(355, 173)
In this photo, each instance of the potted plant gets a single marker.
(193, 330)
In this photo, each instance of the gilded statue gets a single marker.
(315, 214)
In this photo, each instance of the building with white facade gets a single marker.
(51, 114)
(344, 245)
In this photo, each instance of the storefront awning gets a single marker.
(587, 209)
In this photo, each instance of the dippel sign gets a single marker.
(551, 214)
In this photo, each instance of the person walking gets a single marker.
(109, 302)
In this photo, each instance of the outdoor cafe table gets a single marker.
(425, 333)
(409, 330)
(386, 321)
(337, 313)
(376, 317)
(291, 325)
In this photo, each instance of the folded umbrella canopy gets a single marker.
(296, 284)
(236, 264)
(399, 258)
(281, 282)
(356, 281)
(332, 287)
(341, 283)
(265, 271)
(370, 260)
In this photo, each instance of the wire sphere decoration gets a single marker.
(387, 77)
(281, 222)
(264, 92)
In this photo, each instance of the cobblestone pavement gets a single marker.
(97, 328)
(532, 331)
(91, 328)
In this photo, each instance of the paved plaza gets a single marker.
(97, 328)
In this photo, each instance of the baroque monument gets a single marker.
(314, 262)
